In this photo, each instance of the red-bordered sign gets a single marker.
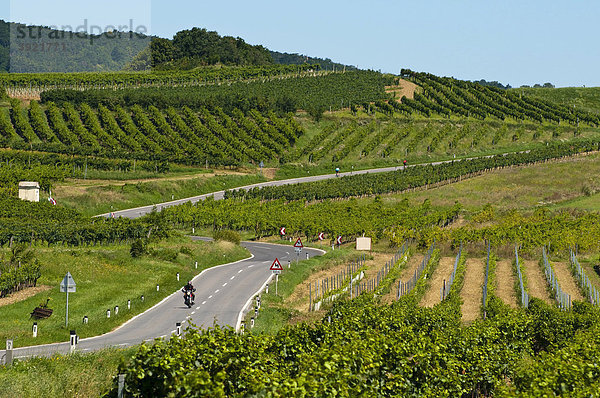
(321, 236)
(276, 266)
(339, 240)
(282, 231)
(298, 244)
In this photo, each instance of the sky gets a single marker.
(514, 42)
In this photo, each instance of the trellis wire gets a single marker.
(524, 295)
(405, 288)
(563, 299)
(485, 285)
(590, 290)
(446, 291)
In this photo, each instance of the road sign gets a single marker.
(261, 164)
(68, 284)
(339, 240)
(276, 267)
(298, 244)
(321, 236)
(282, 231)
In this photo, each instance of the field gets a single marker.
(482, 279)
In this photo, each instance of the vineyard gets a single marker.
(47, 225)
(157, 137)
(447, 96)
(31, 85)
(412, 177)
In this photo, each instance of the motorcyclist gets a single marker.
(189, 288)
(337, 171)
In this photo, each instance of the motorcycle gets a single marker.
(188, 298)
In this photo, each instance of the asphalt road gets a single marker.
(140, 211)
(223, 293)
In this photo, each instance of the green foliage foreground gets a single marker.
(370, 350)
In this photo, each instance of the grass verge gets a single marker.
(75, 375)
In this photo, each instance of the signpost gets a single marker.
(298, 248)
(276, 268)
(67, 286)
(339, 240)
(321, 236)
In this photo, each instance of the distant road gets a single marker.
(140, 211)
(222, 295)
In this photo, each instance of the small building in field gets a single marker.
(29, 190)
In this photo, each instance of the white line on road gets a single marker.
(193, 312)
(217, 291)
(209, 297)
(224, 284)
(250, 266)
(240, 271)
(232, 278)
(204, 302)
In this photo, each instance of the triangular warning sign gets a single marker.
(298, 243)
(276, 266)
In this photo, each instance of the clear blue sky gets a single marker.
(516, 42)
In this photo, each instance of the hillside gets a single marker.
(585, 99)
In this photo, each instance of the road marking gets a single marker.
(204, 302)
(240, 271)
(266, 262)
(224, 284)
(232, 278)
(217, 291)
(193, 312)
(209, 297)
(250, 266)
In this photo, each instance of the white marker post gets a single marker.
(67, 286)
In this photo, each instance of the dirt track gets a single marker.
(565, 278)
(441, 273)
(536, 281)
(505, 283)
(472, 291)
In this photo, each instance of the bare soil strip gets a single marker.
(505, 283)
(23, 294)
(565, 278)
(404, 88)
(441, 273)
(536, 281)
(472, 291)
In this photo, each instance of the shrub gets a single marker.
(138, 248)
(230, 236)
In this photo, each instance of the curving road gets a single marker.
(223, 294)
